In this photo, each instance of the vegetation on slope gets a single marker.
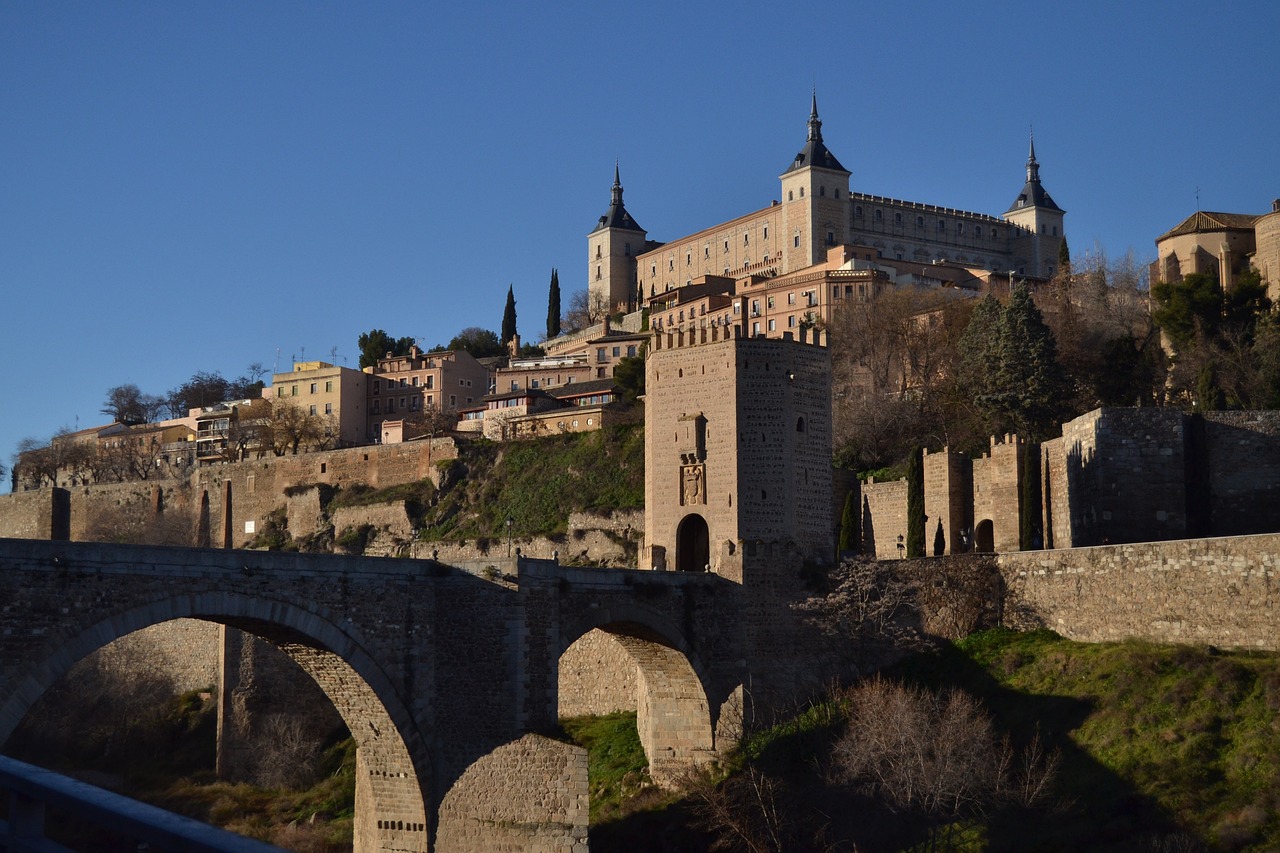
(1139, 747)
(537, 484)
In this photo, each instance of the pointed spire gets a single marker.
(815, 123)
(1033, 168)
(616, 216)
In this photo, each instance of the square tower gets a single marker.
(737, 449)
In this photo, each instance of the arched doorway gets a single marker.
(693, 544)
(984, 536)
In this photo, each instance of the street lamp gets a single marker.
(901, 548)
(510, 521)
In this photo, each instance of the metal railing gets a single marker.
(30, 789)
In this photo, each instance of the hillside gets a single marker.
(1156, 748)
(538, 483)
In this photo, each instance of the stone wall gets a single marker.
(597, 676)
(529, 795)
(43, 514)
(996, 496)
(884, 518)
(1221, 592)
(1243, 471)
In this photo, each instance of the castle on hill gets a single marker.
(818, 213)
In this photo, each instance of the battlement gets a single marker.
(716, 333)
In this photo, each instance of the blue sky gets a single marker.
(199, 186)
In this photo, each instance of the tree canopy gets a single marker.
(127, 404)
(206, 388)
(375, 344)
(481, 343)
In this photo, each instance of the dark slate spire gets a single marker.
(1033, 194)
(616, 216)
(815, 153)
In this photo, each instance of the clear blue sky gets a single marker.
(199, 186)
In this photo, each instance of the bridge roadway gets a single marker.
(445, 678)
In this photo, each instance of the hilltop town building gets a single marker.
(818, 212)
(320, 389)
(1223, 245)
(403, 386)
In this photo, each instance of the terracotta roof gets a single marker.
(1205, 220)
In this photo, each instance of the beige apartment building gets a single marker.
(402, 387)
(335, 394)
(817, 211)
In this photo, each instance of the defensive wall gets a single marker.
(1222, 591)
(1114, 475)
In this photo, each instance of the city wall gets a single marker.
(1220, 591)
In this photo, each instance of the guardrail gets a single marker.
(30, 789)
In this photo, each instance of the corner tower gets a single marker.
(1039, 223)
(612, 247)
(737, 452)
(815, 201)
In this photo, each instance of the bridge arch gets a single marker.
(673, 712)
(393, 767)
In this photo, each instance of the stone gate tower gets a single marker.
(737, 450)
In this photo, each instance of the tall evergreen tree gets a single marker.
(1028, 383)
(509, 318)
(553, 306)
(915, 504)
(1064, 257)
(848, 526)
(939, 541)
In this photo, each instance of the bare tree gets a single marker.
(430, 420)
(127, 404)
(584, 310)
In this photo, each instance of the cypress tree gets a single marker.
(915, 504)
(1029, 500)
(553, 306)
(848, 526)
(1064, 257)
(939, 541)
(509, 318)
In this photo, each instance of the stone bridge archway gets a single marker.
(673, 709)
(393, 768)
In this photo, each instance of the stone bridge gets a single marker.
(445, 678)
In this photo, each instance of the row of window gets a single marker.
(878, 216)
(293, 389)
(822, 191)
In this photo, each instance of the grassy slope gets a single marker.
(1158, 744)
(538, 483)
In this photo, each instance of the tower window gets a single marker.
(879, 214)
(796, 241)
(831, 238)
(822, 191)
(791, 196)
(597, 272)
(857, 210)
(802, 192)
(942, 225)
(919, 221)
(837, 192)
(766, 232)
(688, 258)
(959, 227)
(746, 238)
(897, 219)
(726, 245)
(627, 251)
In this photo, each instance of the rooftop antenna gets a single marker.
(1197, 199)
(277, 370)
(303, 350)
(333, 355)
